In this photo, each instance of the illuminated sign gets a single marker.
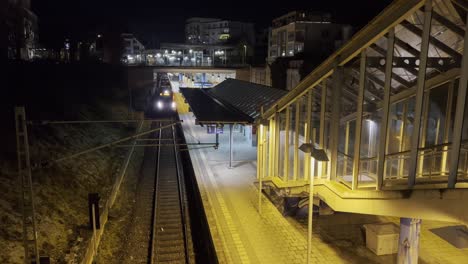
(224, 36)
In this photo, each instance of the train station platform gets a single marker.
(242, 235)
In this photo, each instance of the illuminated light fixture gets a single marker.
(159, 105)
(99, 35)
(166, 51)
(185, 58)
(173, 105)
(173, 52)
(190, 51)
(179, 52)
(317, 154)
(158, 55)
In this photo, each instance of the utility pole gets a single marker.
(31, 252)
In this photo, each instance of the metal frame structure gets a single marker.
(384, 108)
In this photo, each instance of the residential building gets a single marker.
(18, 27)
(216, 31)
(305, 31)
(132, 49)
(299, 41)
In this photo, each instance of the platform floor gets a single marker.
(241, 235)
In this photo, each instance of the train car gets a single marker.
(164, 97)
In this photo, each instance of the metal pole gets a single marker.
(357, 139)
(421, 82)
(323, 102)
(385, 108)
(48, 122)
(30, 245)
(307, 129)
(296, 141)
(260, 169)
(310, 214)
(459, 116)
(286, 144)
(230, 145)
(93, 212)
(338, 81)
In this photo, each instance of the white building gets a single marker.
(217, 31)
(132, 49)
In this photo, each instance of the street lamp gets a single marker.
(245, 53)
(319, 155)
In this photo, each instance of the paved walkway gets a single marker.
(241, 235)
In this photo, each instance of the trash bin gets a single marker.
(382, 239)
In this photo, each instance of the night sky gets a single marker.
(155, 21)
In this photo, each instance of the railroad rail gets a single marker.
(160, 227)
(169, 243)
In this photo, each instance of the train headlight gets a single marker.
(159, 105)
(173, 105)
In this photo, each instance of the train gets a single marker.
(164, 96)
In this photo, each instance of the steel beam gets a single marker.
(296, 140)
(360, 106)
(337, 85)
(277, 144)
(323, 102)
(307, 129)
(421, 82)
(447, 127)
(459, 116)
(286, 144)
(386, 109)
(448, 24)
(271, 148)
(437, 43)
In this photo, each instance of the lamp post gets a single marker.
(319, 155)
(263, 124)
(245, 54)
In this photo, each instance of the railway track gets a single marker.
(169, 238)
(160, 227)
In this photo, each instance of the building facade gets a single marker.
(195, 55)
(216, 31)
(18, 27)
(132, 49)
(307, 32)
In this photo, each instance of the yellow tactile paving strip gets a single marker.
(182, 107)
(241, 235)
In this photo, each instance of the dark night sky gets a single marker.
(158, 21)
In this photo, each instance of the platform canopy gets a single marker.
(232, 101)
